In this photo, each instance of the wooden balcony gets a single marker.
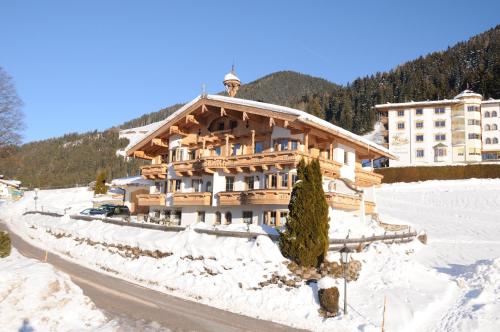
(192, 199)
(366, 178)
(347, 202)
(267, 196)
(151, 199)
(230, 198)
(154, 171)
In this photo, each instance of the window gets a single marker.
(419, 138)
(177, 216)
(440, 137)
(439, 110)
(346, 157)
(488, 141)
(247, 217)
(474, 136)
(270, 218)
(233, 124)
(401, 113)
(295, 144)
(283, 217)
(295, 178)
(419, 111)
(281, 144)
(441, 152)
(157, 187)
(284, 180)
(494, 114)
(440, 123)
(473, 122)
(486, 114)
(495, 140)
(229, 218)
(192, 155)
(420, 153)
(487, 127)
(201, 216)
(229, 183)
(236, 148)
(174, 185)
(196, 185)
(272, 181)
(419, 124)
(220, 125)
(208, 187)
(401, 125)
(218, 217)
(494, 126)
(217, 150)
(259, 147)
(249, 181)
(474, 152)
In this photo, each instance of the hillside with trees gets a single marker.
(76, 158)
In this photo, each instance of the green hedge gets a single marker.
(5, 244)
(423, 173)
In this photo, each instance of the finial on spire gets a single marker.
(232, 82)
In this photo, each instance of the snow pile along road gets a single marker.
(48, 299)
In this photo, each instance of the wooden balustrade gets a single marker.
(151, 199)
(366, 178)
(158, 171)
(347, 202)
(230, 198)
(192, 199)
(267, 196)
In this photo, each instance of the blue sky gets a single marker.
(84, 65)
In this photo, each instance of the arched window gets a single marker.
(488, 140)
(494, 114)
(487, 127)
(217, 218)
(229, 217)
(495, 140)
(486, 114)
(494, 126)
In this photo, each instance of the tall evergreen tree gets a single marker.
(305, 239)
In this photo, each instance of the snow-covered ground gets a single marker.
(48, 299)
(451, 284)
(462, 220)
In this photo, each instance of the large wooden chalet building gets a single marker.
(221, 160)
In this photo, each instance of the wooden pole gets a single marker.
(383, 314)
(46, 256)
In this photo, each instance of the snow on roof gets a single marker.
(417, 103)
(468, 93)
(490, 101)
(131, 180)
(301, 115)
(231, 77)
(134, 135)
(11, 183)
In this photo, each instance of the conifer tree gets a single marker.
(305, 239)
(100, 183)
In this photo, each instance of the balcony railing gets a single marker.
(158, 171)
(151, 199)
(267, 196)
(366, 178)
(230, 198)
(192, 199)
(347, 202)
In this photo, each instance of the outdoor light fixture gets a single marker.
(344, 259)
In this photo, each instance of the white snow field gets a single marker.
(47, 298)
(449, 285)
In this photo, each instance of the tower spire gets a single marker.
(231, 82)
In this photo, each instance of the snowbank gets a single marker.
(228, 272)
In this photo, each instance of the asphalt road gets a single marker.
(122, 298)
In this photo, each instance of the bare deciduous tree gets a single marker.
(11, 115)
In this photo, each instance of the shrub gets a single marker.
(100, 183)
(305, 239)
(424, 173)
(5, 244)
(329, 299)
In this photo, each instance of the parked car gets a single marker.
(116, 210)
(93, 212)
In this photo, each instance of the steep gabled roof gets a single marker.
(298, 115)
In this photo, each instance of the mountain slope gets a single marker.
(474, 63)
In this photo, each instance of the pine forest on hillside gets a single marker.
(76, 158)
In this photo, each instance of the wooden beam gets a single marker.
(204, 108)
(271, 122)
(245, 116)
(142, 155)
(222, 111)
(278, 166)
(158, 142)
(191, 119)
(285, 124)
(252, 168)
(264, 167)
(208, 170)
(239, 170)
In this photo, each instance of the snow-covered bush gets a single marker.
(5, 245)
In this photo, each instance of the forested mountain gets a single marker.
(75, 158)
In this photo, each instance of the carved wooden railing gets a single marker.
(192, 199)
(151, 199)
(366, 178)
(158, 171)
(347, 202)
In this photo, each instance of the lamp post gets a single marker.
(344, 256)
(36, 198)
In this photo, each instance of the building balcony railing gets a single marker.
(267, 196)
(192, 199)
(347, 202)
(153, 172)
(253, 162)
(151, 199)
(458, 114)
(367, 178)
(230, 198)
